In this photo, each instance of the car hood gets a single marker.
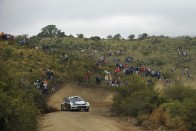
(80, 102)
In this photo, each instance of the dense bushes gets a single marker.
(183, 112)
(17, 113)
(136, 98)
(175, 108)
(7, 53)
(179, 92)
(181, 103)
(18, 107)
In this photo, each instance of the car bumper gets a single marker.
(79, 107)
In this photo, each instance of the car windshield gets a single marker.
(73, 99)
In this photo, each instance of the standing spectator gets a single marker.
(98, 80)
(45, 87)
(50, 74)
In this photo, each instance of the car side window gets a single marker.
(66, 100)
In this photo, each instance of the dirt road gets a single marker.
(97, 119)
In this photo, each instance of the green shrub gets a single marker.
(182, 103)
(20, 104)
(136, 98)
(179, 92)
(7, 53)
(17, 113)
(183, 111)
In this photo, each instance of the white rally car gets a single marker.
(74, 103)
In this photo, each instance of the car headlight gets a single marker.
(87, 104)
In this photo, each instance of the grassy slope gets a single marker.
(147, 52)
(156, 53)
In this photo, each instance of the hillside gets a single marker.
(71, 58)
(157, 53)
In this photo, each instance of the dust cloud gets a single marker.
(96, 96)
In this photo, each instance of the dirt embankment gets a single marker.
(98, 118)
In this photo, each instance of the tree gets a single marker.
(71, 36)
(49, 31)
(80, 35)
(131, 36)
(110, 37)
(187, 40)
(142, 36)
(117, 37)
(61, 34)
(23, 36)
(95, 38)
